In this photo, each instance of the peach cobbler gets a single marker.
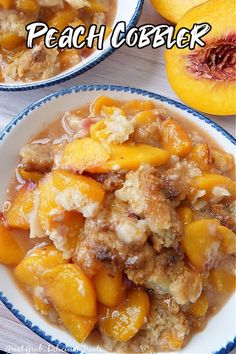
(120, 223)
(19, 64)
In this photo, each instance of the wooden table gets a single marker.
(131, 67)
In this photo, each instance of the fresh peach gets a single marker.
(204, 78)
(173, 10)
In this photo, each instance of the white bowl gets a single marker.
(219, 335)
(127, 11)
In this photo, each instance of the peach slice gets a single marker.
(114, 128)
(228, 241)
(99, 131)
(29, 271)
(86, 185)
(68, 226)
(215, 186)
(100, 102)
(10, 41)
(145, 118)
(27, 5)
(174, 341)
(7, 4)
(98, 6)
(201, 243)
(124, 322)
(79, 326)
(17, 215)
(58, 181)
(47, 207)
(133, 107)
(173, 10)
(174, 138)
(41, 305)
(62, 18)
(90, 155)
(106, 279)
(30, 176)
(200, 307)
(130, 156)
(223, 161)
(68, 277)
(222, 281)
(68, 57)
(10, 251)
(79, 155)
(200, 154)
(185, 215)
(204, 78)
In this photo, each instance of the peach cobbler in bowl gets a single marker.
(119, 224)
(21, 66)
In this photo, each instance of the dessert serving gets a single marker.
(19, 64)
(120, 225)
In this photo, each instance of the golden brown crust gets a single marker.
(110, 181)
(37, 157)
(177, 180)
(225, 214)
(143, 191)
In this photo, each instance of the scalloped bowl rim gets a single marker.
(224, 348)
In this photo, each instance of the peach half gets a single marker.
(205, 78)
(173, 10)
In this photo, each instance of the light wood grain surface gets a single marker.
(131, 67)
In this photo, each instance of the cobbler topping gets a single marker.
(127, 221)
